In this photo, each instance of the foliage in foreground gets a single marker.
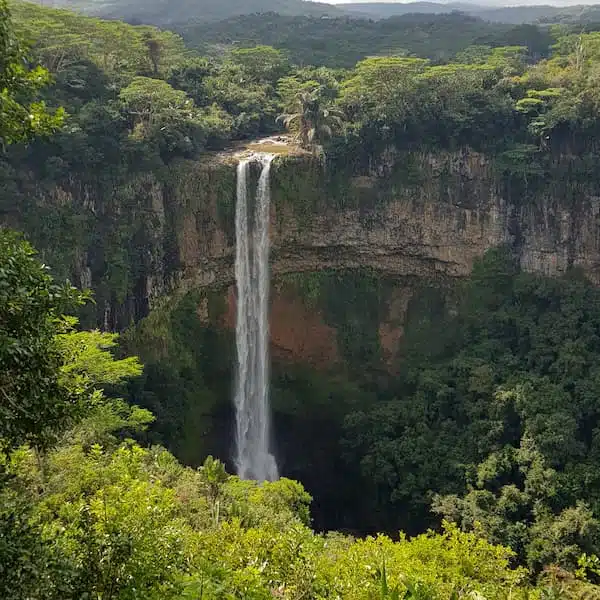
(125, 522)
(96, 515)
(519, 376)
(35, 401)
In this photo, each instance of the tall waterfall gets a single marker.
(253, 417)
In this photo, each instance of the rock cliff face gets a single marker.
(412, 217)
(361, 255)
(411, 220)
(434, 226)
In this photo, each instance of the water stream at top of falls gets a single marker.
(253, 457)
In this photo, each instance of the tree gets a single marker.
(148, 101)
(36, 402)
(155, 50)
(49, 385)
(114, 523)
(213, 476)
(252, 104)
(520, 515)
(31, 568)
(190, 76)
(61, 37)
(163, 115)
(474, 55)
(261, 64)
(382, 88)
(310, 120)
(20, 117)
(308, 79)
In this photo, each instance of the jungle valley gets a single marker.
(433, 319)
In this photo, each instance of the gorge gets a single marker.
(361, 256)
(408, 215)
(342, 334)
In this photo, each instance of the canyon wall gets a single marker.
(361, 257)
(427, 219)
(411, 221)
(411, 217)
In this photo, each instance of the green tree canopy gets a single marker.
(261, 64)
(20, 116)
(36, 403)
(311, 119)
(164, 115)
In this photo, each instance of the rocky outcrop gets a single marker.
(297, 332)
(414, 215)
(409, 220)
(431, 222)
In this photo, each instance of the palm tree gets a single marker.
(310, 119)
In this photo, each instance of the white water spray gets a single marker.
(253, 418)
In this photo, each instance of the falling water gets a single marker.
(253, 458)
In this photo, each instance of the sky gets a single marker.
(481, 2)
(385, 1)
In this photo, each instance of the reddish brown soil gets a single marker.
(298, 333)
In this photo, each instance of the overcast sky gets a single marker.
(483, 2)
(392, 1)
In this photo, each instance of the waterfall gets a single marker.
(253, 418)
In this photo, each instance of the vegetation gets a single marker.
(96, 515)
(154, 13)
(501, 14)
(483, 428)
(310, 121)
(20, 116)
(341, 42)
(494, 377)
(157, 100)
(35, 401)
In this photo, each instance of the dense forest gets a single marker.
(342, 42)
(515, 14)
(181, 12)
(477, 441)
(160, 13)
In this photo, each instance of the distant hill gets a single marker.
(384, 10)
(341, 42)
(500, 14)
(166, 12)
(181, 12)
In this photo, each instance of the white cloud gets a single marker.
(489, 3)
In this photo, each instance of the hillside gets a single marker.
(165, 12)
(384, 10)
(341, 42)
(500, 14)
(184, 12)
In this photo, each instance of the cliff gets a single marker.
(427, 218)
(412, 221)
(420, 216)
(363, 257)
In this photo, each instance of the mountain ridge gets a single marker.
(167, 12)
(487, 11)
(179, 12)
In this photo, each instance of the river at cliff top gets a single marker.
(274, 144)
